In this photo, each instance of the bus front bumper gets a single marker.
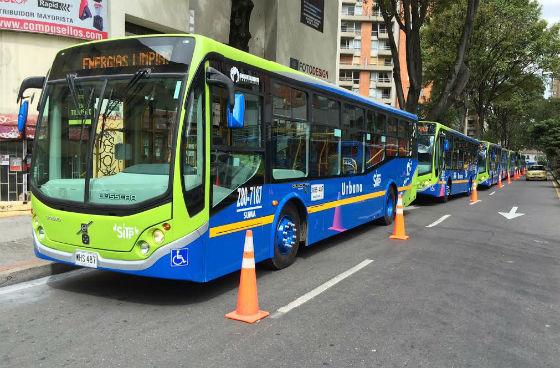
(159, 264)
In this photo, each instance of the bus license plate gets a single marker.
(85, 259)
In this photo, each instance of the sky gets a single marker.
(550, 10)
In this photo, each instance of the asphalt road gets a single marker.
(476, 290)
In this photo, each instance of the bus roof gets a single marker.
(444, 127)
(212, 46)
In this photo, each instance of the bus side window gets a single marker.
(289, 133)
(447, 154)
(324, 144)
(392, 142)
(352, 140)
(374, 147)
(192, 152)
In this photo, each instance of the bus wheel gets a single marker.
(286, 238)
(390, 207)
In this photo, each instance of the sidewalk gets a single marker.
(17, 260)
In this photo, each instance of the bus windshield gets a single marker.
(425, 153)
(482, 159)
(107, 137)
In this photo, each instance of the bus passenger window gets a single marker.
(324, 144)
(289, 156)
(289, 133)
(352, 140)
(375, 151)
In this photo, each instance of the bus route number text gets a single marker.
(249, 200)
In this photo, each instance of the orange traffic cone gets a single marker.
(509, 179)
(247, 299)
(500, 185)
(515, 175)
(398, 231)
(474, 194)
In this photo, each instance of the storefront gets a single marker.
(32, 32)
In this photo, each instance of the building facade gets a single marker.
(365, 61)
(298, 33)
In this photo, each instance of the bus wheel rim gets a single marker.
(286, 234)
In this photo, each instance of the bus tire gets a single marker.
(389, 209)
(286, 238)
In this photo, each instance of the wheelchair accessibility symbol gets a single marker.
(179, 257)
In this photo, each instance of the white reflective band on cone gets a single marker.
(248, 263)
(399, 211)
(249, 244)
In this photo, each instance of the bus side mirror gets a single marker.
(22, 115)
(236, 116)
(30, 82)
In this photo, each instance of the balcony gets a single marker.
(384, 83)
(384, 52)
(368, 67)
(361, 17)
(347, 50)
(349, 33)
(345, 82)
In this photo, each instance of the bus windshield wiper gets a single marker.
(71, 81)
(140, 74)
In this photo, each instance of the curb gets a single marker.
(30, 270)
(14, 213)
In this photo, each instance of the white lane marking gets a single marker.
(494, 192)
(42, 281)
(439, 221)
(321, 288)
(409, 208)
(475, 202)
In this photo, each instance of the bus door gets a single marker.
(236, 155)
(440, 155)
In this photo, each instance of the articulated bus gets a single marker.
(489, 156)
(504, 163)
(447, 161)
(154, 154)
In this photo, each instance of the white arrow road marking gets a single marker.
(319, 289)
(439, 221)
(511, 214)
(494, 192)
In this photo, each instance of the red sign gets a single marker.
(9, 126)
(68, 18)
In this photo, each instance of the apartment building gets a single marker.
(365, 65)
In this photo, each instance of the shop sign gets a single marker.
(81, 19)
(16, 164)
(313, 13)
(309, 69)
(4, 160)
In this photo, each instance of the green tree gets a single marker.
(510, 45)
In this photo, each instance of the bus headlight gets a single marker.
(35, 222)
(41, 233)
(144, 247)
(158, 236)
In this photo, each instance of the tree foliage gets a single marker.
(410, 16)
(510, 45)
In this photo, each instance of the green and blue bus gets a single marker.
(489, 164)
(447, 161)
(154, 154)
